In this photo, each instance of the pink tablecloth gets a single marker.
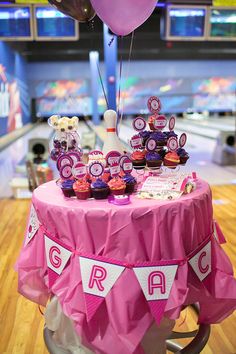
(145, 230)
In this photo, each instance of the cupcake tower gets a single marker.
(95, 180)
(152, 148)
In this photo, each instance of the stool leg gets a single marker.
(154, 341)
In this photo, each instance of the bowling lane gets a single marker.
(15, 155)
(209, 128)
(200, 149)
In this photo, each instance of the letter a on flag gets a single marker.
(97, 279)
(156, 283)
(57, 257)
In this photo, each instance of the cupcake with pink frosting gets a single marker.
(117, 186)
(138, 159)
(82, 189)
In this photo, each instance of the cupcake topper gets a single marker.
(63, 160)
(139, 124)
(136, 142)
(154, 104)
(66, 172)
(95, 154)
(75, 156)
(122, 158)
(79, 170)
(115, 169)
(182, 140)
(160, 122)
(96, 169)
(127, 165)
(113, 156)
(172, 123)
(151, 144)
(172, 144)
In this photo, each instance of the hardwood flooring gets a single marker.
(21, 323)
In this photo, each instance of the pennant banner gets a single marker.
(33, 225)
(97, 279)
(201, 262)
(99, 274)
(156, 283)
(57, 257)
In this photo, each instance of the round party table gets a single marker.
(174, 244)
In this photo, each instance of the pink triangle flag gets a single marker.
(98, 278)
(156, 282)
(57, 257)
(92, 303)
(52, 277)
(157, 309)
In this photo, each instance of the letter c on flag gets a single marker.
(200, 266)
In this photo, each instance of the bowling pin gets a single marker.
(112, 142)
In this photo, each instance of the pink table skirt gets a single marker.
(143, 231)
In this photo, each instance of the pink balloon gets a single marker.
(123, 16)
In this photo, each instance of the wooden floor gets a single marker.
(21, 323)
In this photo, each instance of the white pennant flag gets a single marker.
(156, 283)
(201, 262)
(57, 257)
(97, 278)
(33, 225)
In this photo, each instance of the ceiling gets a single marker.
(147, 44)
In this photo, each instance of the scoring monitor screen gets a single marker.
(186, 22)
(52, 24)
(15, 22)
(223, 23)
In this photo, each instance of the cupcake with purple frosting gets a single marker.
(159, 137)
(131, 183)
(144, 135)
(100, 189)
(183, 156)
(67, 188)
(170, 134)
(153, 159)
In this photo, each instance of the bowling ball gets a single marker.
(56, 144)
(64, 144)
(55, 154)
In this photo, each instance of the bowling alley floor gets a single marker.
(14, 156)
